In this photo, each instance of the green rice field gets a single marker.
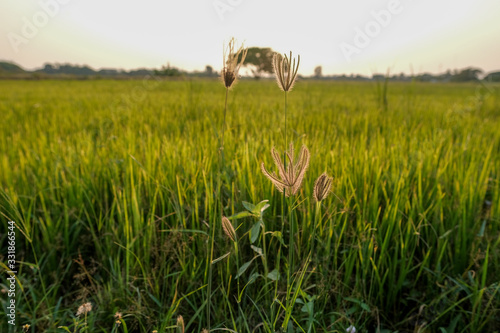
(114, 190)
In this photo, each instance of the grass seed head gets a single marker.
(233, 59)
(290, 179)
(180, 324)
(228, 228)
(285, 70)
(118, 317)
(322, 187)
(84, 309)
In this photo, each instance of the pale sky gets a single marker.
(361, 37)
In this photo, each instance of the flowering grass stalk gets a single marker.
(322, 187)
(233, 58)
(286, 69)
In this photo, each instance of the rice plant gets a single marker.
(116, 203)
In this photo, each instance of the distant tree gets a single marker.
(141, 72)
(425, 77)
(318, 72)
(108, 71)
(49, 68)
(209, 70)
(468, 74)
(168, 71)
(67, 69)
(493, 77)
(445, 77)
(260, 60)
(8, 67)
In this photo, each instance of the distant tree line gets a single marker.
(465, 75)
(11, 70)
(258, 62)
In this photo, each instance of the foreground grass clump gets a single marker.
(113, 185)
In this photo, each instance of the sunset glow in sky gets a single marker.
(342, 36)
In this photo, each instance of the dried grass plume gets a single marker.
(180, 325)
(84, 309)
(233, 59)
(322, 187)
(228, 228)
(286, 70)
(289, 180)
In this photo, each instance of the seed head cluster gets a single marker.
(290, 179)
(180, 324)
(84, 309)
(322, 187)
(285, 70)
(228, 228)
(233, 59)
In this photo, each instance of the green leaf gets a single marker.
(220, 258)
(239, 215)
(352, 309)
(446, 234)
(365, 307)
(453, 324)
(273, 275)
(354, 300)
(278, 235)
(249, 206)
(254, 232)
(260, 207)
(308, 307)
(243, 268)
(124, 326)
(253, 277)
(481, 231)
(155, 299)
(256, 249)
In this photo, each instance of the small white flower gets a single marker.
(351, 329)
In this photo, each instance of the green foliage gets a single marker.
(260, 59)
(467, 74)
(111, 185)
(8, 67)
(169, 71)
(492, 77)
